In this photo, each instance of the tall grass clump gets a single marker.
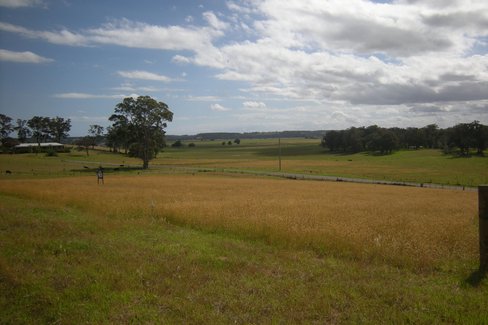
(423, 229)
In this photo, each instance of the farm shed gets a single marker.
(31, 147)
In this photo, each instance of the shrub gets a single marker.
(51, 153)
(177, 144)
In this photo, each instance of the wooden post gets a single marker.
(483, 219)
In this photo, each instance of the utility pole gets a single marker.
(279, 153)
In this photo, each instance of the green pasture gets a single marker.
(307, 157)
(303, 156)
(60, 265)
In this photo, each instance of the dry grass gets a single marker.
(420, 228)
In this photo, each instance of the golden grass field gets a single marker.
(418, 228)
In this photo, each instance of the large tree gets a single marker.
(480, 136)
(5, 126)
(40, 128)
(59, 128)
(145, 119)
(23, 132)
(118, 135)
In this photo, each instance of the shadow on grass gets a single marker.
(475, 279)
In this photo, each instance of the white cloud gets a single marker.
(22, 57)
(126, 33)
(325, 51)
(140, 35)
(143, 75)
(181, 59)
(20, 3)
(203, 98)
(87, 96)
(219, 108)
(63, 37)
(254, 105)
(360, 26)
(128, 87)
(215, 22)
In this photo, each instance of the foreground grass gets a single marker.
(423, 229)
(60, 264)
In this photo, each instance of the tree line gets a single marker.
(464, 136)
(38, 128)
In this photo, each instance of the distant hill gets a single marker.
(248, 135)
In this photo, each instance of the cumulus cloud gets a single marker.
(22, 57)
(363, 55)
(361, 26)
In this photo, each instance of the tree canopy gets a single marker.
(59, 128)
(5, 126)
(142, 121)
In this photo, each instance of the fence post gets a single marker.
(483, 220)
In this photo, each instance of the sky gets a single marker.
(248, 65)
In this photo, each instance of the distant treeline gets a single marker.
(248, 135)
(38, 128)
(463, 136)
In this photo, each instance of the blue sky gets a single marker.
(248, 65)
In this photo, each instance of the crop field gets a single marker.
(158, 247)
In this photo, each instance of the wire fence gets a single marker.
(295, 176)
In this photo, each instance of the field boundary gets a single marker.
(295, 176)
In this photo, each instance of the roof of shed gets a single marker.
(45, 144)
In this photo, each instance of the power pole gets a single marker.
(279, 153)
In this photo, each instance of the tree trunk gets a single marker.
(145, 164)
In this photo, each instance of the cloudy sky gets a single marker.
(248, 65)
